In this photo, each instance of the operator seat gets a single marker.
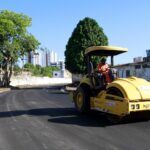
(113, 74)
(96, 78)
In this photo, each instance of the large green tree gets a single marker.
(87, 33)
(15, 41)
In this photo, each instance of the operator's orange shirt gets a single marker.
(104, 69)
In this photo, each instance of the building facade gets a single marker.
(139, 68)
(48, 58)
(35, 59)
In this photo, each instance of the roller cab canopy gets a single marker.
(105, 50)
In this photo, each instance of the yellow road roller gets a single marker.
(117, 99)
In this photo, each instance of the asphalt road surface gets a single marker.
(45, 119)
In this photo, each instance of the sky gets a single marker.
(125, 22)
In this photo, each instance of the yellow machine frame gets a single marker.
(119, 98)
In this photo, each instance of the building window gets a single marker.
(137, 66)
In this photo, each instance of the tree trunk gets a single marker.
(29, 57)
(1, 75)
(5, 81)
(6, 75)
(10, 72)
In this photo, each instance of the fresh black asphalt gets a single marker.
(45, 119)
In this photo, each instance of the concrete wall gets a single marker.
(140, 72)
(143, 73)
(38, 81)
(122, 71)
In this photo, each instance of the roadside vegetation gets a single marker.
(87, 33)
(15, 42)
(36, 70)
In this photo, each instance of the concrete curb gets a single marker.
(4, 90)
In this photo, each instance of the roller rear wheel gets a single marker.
(82, 100)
